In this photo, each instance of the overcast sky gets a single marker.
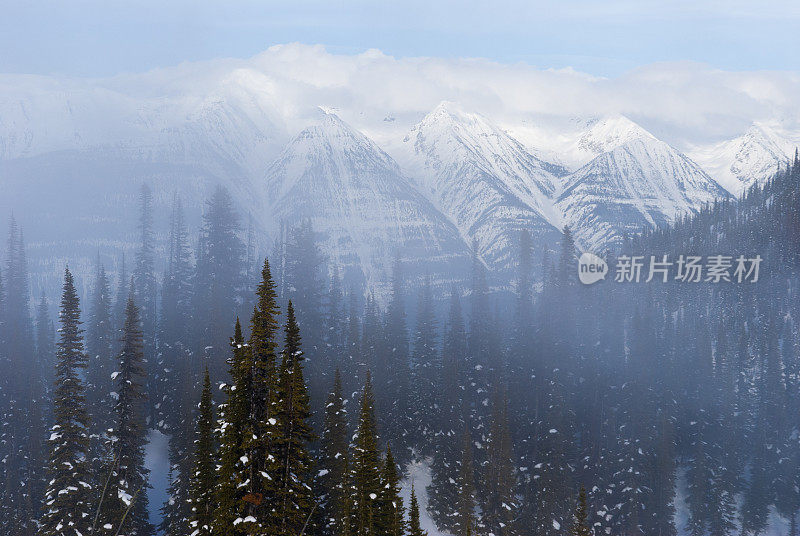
(607, 38)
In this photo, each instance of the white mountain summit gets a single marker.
(486, 182)
(363, 209)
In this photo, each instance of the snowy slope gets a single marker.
(573, 142)
(642, 183)
(363, 208)
(486, 182)
(750, 158)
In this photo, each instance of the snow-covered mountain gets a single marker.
(640, 184)
(364, 210)
(750, 158)
(486, 182)
(90, 144)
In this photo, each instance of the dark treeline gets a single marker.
(293, 403)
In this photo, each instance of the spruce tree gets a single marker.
(443, 491)
(500, 496)
(180, 371)
(45, 339)
(218, 280)
(392, 374)
(233, 415)
(390, 516)
(260, 472)
(580, 517)
(465, 522)
(333, 458)
(100, 349)
(414, 528)
(366, 477)
(120, 302)
(144, 285)
(68, 499)
(293, 498)
(24, 460)
(125, 505)
(425, 369)
(203, 477)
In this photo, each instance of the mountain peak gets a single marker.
(606, 133)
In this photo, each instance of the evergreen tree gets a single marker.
(180, 372)
(333, 458)
(45, 339)
(99, 346)
(580, 517)
(465, 523)
(304, 287)
(144, 284)
(260, 472)
(203, 477)
(389, 520)
(218, 280)
(68, 508)
(443, 491)
(414, 528)
(125, 505)
(366, 477)
(393, 372)
(425, 369)
(233, 415)
(26, 451)
(500, 501)
(293, 498)
(120, 302)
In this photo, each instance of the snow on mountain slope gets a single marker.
(365, 211)
(751, 158)
(484, 181)
(574, 142)
(642, 183)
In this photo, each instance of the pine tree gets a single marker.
(390, 512)
(392, 374)
(414, 528)
(180, 372)
(293, 498)
(233, 416)
(144, 285)
(203, 477)
(366, 478)
(68, 508)
(580, 517)
(425, 369)
(99, 346)
(26, 450)
(120, 303)
(465, 524)
(218, 280)
(333, 458)
(45, 339)
(444, 489)
(260, 472)
(125, 505)
(304, 287)
(499, 506)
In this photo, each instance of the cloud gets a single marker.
(685, 103)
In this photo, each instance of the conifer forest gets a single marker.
(296, 403)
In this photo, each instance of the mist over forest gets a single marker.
(295, 399)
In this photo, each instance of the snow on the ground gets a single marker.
(776, 525)
(419, 472)
(156, 459)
